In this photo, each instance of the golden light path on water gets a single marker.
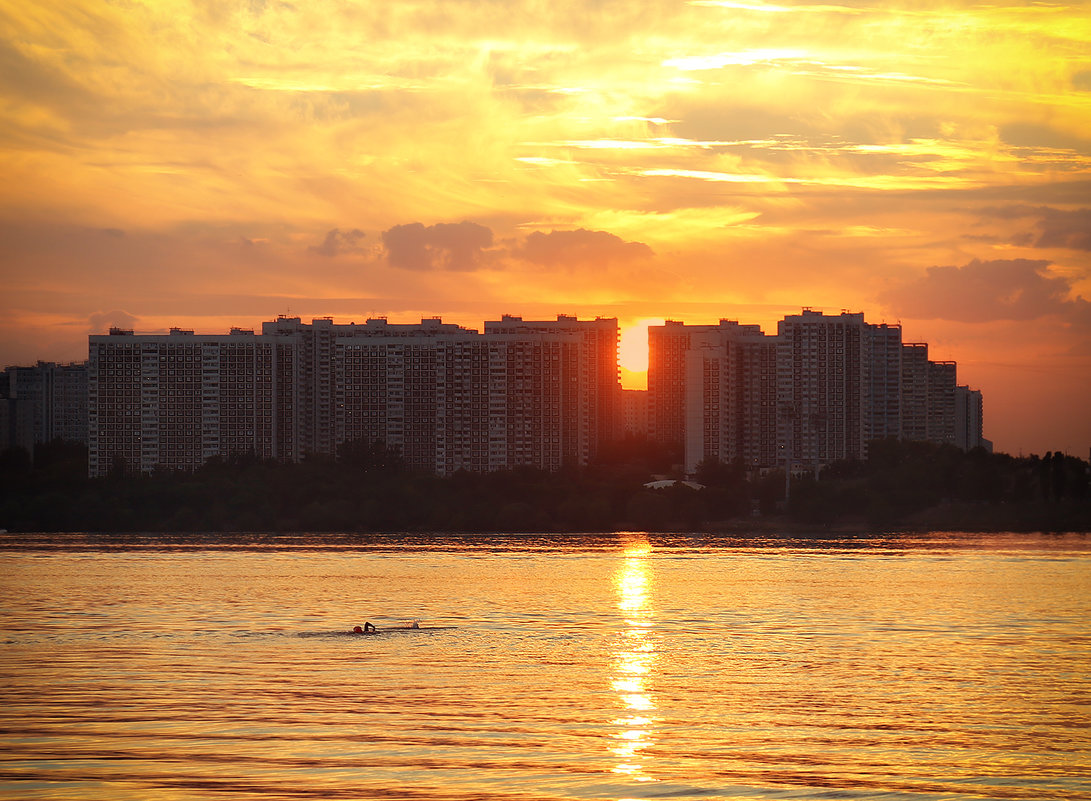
(634, 665)
(620, 667)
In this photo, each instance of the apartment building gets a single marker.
(942, 384)
(914, 391)
(730, 395)
(598, 374)
(883, 381)
(445, 397)
(968, 419)
(667, 347)
(821, 380)
(44, 402)
(634, 410)
(172, 401)
(818, 391)
(543, 394)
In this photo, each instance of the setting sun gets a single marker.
(698, 160)
(633, 353)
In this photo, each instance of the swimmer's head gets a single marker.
(357, 630)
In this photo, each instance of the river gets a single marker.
(556, 667)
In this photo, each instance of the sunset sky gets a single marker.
(214, 164)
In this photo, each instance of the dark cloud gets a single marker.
(1065, 229)
(1082, 81)
(984, 291)
(580, 247)
(443, 246)
(337, 242)
(101, 322)
(1059, 228)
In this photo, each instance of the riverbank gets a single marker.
(901, 487)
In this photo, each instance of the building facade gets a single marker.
(969, 414)
(596, 361)
(634, 409)
(730, 395)
(818, 391)
(172, 401)
(667, 347)
(942, 383)
(445, 398)
(541, 394)
(45, 402)
(883, 381)
(821, 387)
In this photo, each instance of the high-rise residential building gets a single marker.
(942, 381)
(543, 394)
(51, 398)
(16, 424)
(927, 396)
(444, 397)
(543, 400)
(598, 376)
(451, 399)
(968, 419)
(730, 395)
(172, 401)
(634, 406)
(466, 416)
(914, 391)
(821, 387)
(820, 390)
(883, 381)
(667, 347)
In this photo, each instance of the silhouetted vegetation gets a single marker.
(902, 485)
(922, 485)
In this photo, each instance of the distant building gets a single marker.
(597, 369)
(942, 382)
(16, 425)
(349, 381)
(730, 395)
(667, 348)
(42, 403)
(882, 381)
(821, 375)
(172, 401)
(634, 405)
(969, 415)
(914, 391)
(540, 394)
(818, 391)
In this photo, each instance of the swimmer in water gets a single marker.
(369, 628)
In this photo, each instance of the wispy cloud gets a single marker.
(436, 156)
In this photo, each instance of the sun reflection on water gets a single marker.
(633, 667)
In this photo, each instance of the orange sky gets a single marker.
(214, 164)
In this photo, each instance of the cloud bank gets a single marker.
(338, 242)
(467, 246)
(580, 247)
(987, 291)
(443, 246)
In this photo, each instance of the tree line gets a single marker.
(366, 488)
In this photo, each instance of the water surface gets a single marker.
(615, 666)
